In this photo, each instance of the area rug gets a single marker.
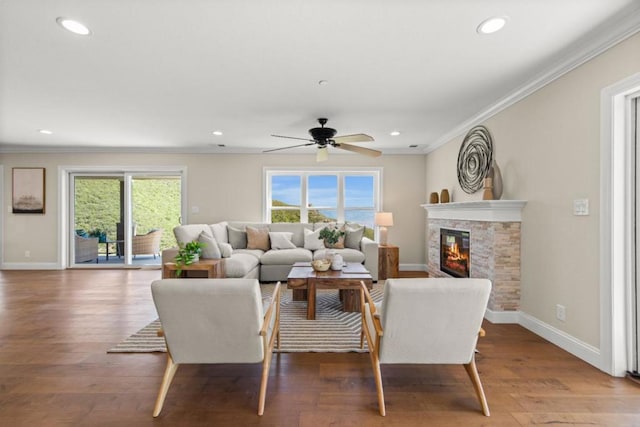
(332, 331)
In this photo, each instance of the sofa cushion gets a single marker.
(226, 250)
(237, 238)
(257, 238)
(286, 256)
(257, 253)
(292, 227)
(354, 233)
(348, 255)
(281, 240)
(312, 240)
(210, 249)
(240, 264)
(189, 233)
(219, 232)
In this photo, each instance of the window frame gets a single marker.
(305, 173)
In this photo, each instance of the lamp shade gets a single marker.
(384, 219)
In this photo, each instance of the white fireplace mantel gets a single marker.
(482, 210)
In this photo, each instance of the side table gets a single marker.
(388, 261)
(213, 267)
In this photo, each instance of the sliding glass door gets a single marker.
(122, 218)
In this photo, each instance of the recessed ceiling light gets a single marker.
(74, 26)
(394, 133)
(492, 25)
(323, 82)
(45, 131)
(217, 132)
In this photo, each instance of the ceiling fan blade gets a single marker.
(356, 137)
(359, 150)
(293, 137)
(291, 146)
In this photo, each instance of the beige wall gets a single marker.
(548, 147)
(223, 187)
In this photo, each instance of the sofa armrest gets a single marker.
(169, 254)
(370, 250)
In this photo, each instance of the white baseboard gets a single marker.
(580, 349)
(568, 343)
(502, 316)
(413, 267)
(30, 266)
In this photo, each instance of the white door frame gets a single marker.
(64, 174)
(617, 219)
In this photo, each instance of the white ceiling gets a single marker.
(163, 74)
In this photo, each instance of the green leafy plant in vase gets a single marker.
(188, 253)
(331, 235)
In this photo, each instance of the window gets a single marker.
(321, 195)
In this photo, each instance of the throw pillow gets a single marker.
(211, 249)
(219, 231)
(354, 236)
(281, 240)
(225, 249)
(312, 240)
(237, 238)
(258, 238)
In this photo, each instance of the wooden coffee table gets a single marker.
(304, 281)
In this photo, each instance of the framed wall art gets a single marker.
(28, 190)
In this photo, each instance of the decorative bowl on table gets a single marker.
(321, 264)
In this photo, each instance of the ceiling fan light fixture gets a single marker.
(323, 154)
(73, 26)
(492, 25)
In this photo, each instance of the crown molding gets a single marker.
(608, 36)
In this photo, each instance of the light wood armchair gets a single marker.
(425, 321)
(227, 323)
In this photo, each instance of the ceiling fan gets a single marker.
(324, 137)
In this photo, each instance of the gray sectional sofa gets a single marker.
(273, 261)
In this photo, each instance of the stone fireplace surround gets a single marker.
(494, 247)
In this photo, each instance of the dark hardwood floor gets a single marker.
(56, 326)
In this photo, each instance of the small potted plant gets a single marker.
(331, 235)
(99, 233)
(188, 253)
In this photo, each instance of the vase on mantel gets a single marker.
(496, 177)
(444, 196)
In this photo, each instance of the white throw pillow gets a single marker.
(211, 249)
(281, 240)
(225, 249)
(312, 240)
(219, 231)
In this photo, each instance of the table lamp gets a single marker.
(384, 220)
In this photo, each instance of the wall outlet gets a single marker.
(561, 312)
(27, 254)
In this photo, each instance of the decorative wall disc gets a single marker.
(474, 159)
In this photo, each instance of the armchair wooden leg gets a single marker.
(169, 372)
(266, 363)
(378, 377)
(477, 385)
(362, 338)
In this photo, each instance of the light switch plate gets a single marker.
(581, 207)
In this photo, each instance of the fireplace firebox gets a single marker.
(454, 252)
